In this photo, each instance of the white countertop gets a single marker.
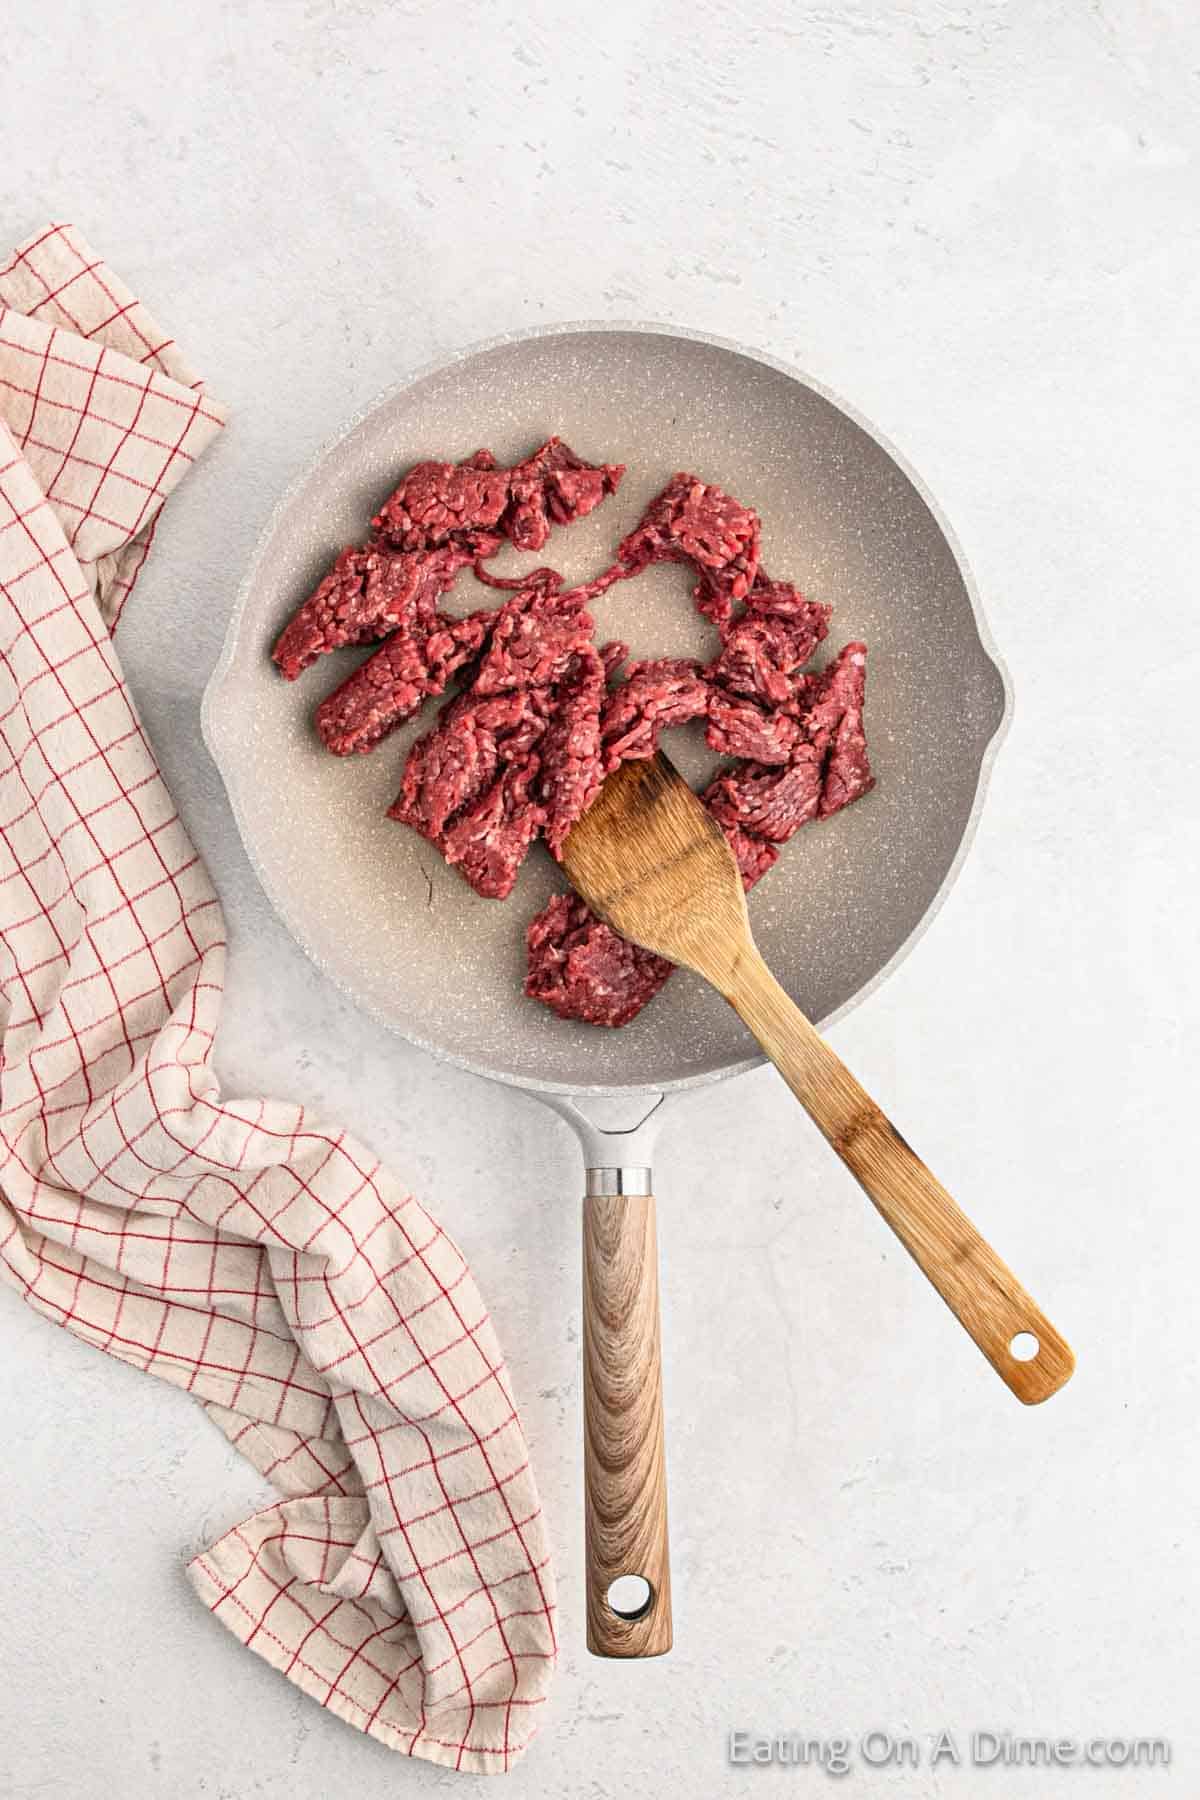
(978, 222)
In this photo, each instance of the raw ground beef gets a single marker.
(740, 727)
(696, 523)
(542, 717)
(763, 650)
(583, 969)
(554, 487)
(442, 518)
(441, 503)
(654, 695)
(798, 737)
(519, 750)
(570, 750)
(393, 684)
(367, 594)
(534, 642)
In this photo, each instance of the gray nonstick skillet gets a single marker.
(382, 916)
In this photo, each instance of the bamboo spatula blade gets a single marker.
(652, 862)
(655, 865)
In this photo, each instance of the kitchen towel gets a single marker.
(263, 1261)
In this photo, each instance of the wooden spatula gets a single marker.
(652, 861)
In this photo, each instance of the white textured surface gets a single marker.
(978, 222)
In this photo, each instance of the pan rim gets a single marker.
(211, 717)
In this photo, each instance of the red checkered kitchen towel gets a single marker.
(262, 1261)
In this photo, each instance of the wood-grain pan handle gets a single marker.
(624, 1464)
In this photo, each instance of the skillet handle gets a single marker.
(624, 1464)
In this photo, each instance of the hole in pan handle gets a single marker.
(630, 1597)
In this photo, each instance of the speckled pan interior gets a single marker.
(374, 905)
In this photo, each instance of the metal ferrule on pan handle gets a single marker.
(616, 1160)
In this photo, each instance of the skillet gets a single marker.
(384, 918)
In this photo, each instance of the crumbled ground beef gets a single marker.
(612, 655)
(517, 752)
(394, 683)
(489, 841)
(798, 738)
(554, 487)
(367, 595)
(571, 770)
(654, 695)
(741, 727)
(582, 969)
(542, 717)
(764, 649)
(474, 501)
(468, 787)
(753, 855)
(441, 518)
(769, 803)
(536, 637)
(441, 502)
(696, 523)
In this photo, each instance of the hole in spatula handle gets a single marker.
(630, 1597)
(1024, 1346)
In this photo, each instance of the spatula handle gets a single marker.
(979, 1289)
(624, 1464)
